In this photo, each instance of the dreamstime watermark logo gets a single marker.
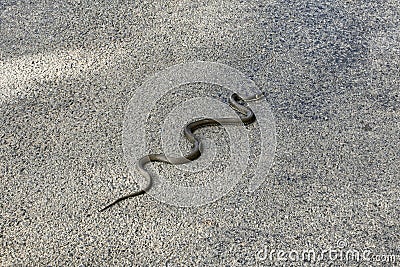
(163, 83)
(339, 253)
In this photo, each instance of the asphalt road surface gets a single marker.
(330, 71)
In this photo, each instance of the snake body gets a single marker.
(246, 118)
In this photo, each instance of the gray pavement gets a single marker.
(330, 71)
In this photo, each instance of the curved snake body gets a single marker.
(246, 118)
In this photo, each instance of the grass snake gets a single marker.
(247, 117)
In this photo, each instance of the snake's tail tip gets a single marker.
(106, 207)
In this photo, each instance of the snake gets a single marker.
(247, 117)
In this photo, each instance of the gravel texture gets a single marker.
(330, 71)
